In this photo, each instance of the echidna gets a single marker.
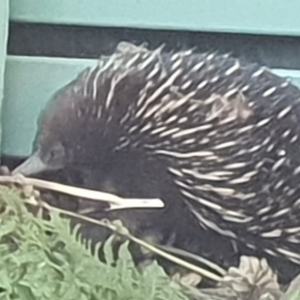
(218, 137)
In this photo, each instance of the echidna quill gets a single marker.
(220, 139)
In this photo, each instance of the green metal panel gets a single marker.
(241, 16)
(30, 83)
(3, 41)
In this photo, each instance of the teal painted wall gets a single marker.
(3, 41)
(241, 16)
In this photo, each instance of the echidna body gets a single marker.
(224, 134)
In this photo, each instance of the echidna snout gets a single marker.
(52, 158)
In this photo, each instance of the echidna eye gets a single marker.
(56, 154)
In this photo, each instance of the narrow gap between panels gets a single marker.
(91, 42)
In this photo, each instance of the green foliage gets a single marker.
(296, 296)
(44, 259)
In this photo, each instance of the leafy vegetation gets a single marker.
(45, 259)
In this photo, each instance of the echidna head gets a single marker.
(64, 136)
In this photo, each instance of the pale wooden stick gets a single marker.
(195, 257)
(114, 201)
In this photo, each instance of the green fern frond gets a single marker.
(45, 259)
